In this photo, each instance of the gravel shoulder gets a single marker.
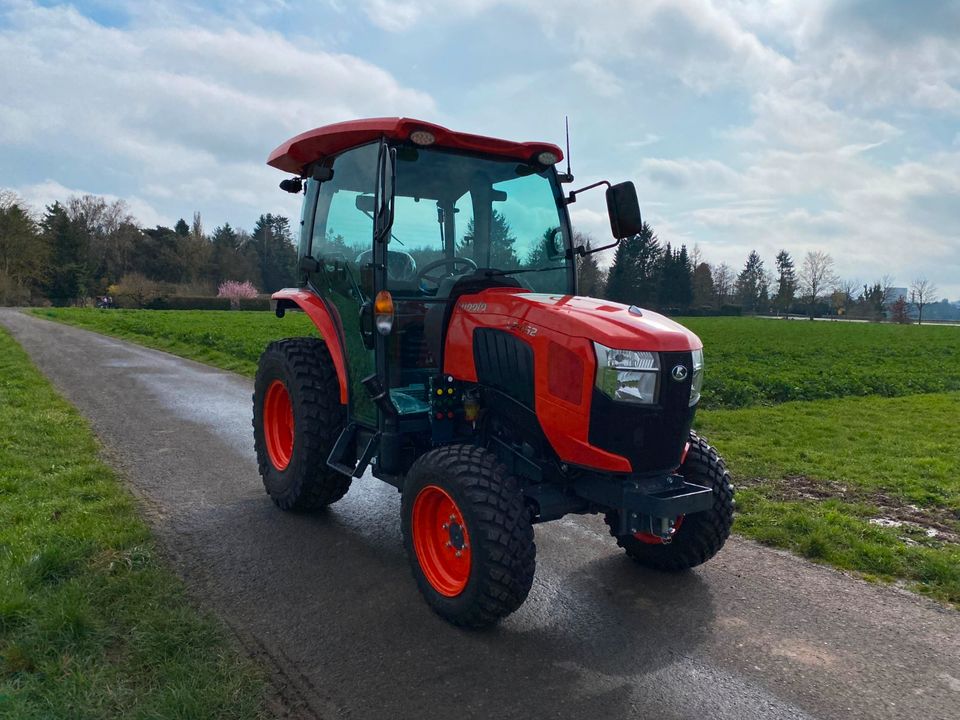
(328, 603)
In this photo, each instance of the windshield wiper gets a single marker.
(492, 273)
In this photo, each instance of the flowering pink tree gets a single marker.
(235, 291)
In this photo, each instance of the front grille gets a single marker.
(504, 363)
(651, 437)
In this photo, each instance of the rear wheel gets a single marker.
(467, 535)
(297, 417)
(695, 538)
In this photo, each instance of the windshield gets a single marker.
(459, 214)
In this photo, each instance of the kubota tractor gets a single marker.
(458, 363)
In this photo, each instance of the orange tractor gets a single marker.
(457, 362)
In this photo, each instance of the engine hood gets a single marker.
(613, 324)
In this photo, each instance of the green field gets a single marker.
(92, 624)
(755, 361)
(826, 427)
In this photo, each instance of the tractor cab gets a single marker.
(441, 272)
(458, 223)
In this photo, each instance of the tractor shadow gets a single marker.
(332, 592)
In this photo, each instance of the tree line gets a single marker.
(89, 247)
(657, 275)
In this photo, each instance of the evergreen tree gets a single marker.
(752, 284)
(159, 256)
(634, 274)
(501, 253)
(181, 228)
(590, 278)
(68, 278)
(786, 282)
(23, 252)
(276, 253)
(703, 288)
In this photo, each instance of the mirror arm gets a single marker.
(584, 251)
(572, 197)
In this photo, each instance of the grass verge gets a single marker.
(92, 625)
(232, 340)
(865, 484)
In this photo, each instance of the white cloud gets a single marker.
(189, 109)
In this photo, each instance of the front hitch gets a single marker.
(650, 507)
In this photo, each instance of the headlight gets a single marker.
(630, 375)
(697, 385)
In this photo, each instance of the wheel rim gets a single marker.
(278, 424)
(441, 541)
(652, 539)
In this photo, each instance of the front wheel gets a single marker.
(698, 537)
(468, 535)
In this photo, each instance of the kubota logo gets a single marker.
(679, 373)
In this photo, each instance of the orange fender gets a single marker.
(327, 324)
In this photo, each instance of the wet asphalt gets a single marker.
(327, 603)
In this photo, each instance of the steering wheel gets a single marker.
(423, 273)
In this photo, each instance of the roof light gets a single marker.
(422, 137)
(547, 158)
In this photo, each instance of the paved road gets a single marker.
(328, 602)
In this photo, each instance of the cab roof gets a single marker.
(295, 154)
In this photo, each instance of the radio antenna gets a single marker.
(568, 176)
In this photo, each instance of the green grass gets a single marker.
(824, 425)
(811, 475)
(231, 340)
(749, 361)
(753, 361)
(92, 624)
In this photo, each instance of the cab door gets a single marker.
(340, 239)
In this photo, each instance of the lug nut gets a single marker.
(452, 518)
(445, 526)
(449, 544)
(459, 553)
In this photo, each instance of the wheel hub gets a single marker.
(278, 424)
(441, 541)
(456, 535)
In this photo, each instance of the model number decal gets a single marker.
(478, 307)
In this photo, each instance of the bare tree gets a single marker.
(886, 285)
(722, 282)
(922, 293)
(816, 274)
(696, 256)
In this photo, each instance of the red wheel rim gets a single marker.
(441, 541)
(652, 539)
(278, 424)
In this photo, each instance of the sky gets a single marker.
(802, 125)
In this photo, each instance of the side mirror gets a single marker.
(624, 210)
(365, 204)
(552, 241)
